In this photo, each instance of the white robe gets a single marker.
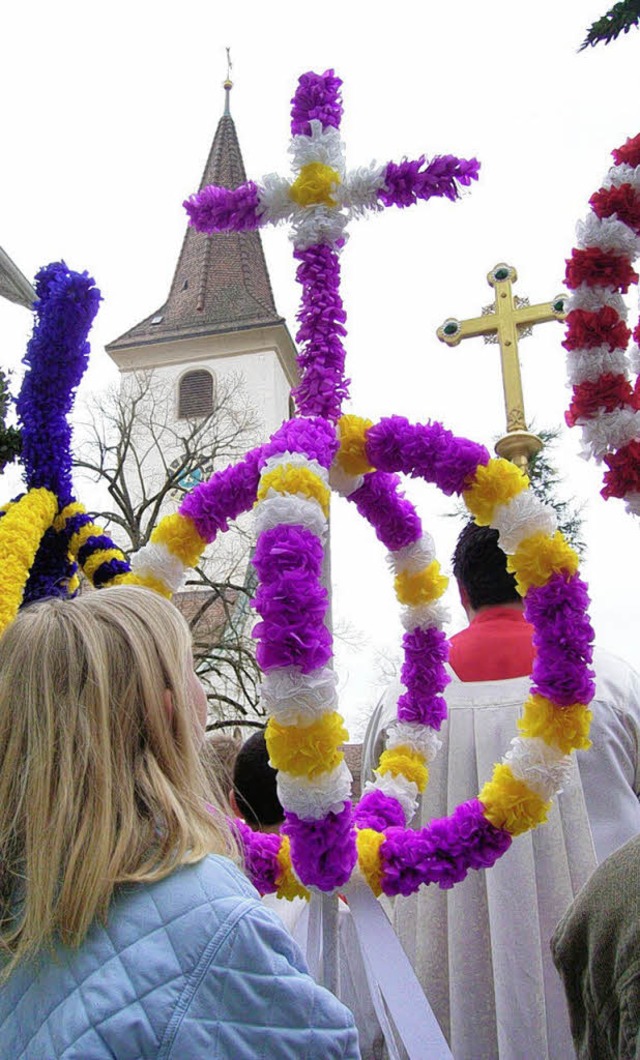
(481, 950)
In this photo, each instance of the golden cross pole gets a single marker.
(509, 319)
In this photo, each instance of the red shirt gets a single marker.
(495, 646)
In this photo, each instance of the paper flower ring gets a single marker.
(289, 480)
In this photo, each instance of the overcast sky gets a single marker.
(108, 112)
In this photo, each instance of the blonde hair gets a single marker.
(100, 778)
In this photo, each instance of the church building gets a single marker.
(220, 318)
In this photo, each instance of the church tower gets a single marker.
(220, 317)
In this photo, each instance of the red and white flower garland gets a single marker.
(605, 403)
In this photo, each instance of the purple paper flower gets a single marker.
(442, 852)
(323, 852)
(378, 811)
(563, 639)
(317, 97)
(392, 516)
(215, 209)
(260, 856)
(290, 600)
(427, 451)
(424, 677)
(321, 359)
(56, 358)
(406, 183)
(314, 437)
(224, 496)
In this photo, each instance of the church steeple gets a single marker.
(221, 283)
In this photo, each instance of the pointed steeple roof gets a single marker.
(221, 283)
(13, 284)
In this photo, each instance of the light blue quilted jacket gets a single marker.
(193, 966)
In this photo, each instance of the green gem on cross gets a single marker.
(451, 328)
(501, 274)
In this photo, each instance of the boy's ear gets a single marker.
(167, 702)
(233, 803)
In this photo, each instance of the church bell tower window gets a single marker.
(195, 395)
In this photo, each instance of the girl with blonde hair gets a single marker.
(126, 926)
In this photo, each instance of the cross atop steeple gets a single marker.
(221, 283)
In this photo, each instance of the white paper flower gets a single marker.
(313, 799)
(156, 559)
(593, 298)
(589, 365)
(609, 234)
(413, 558)
(399, 788)
(295, 460)
(624, 174)
(522, 517)
(294, 511)
(288, 695)
(544, 769)
(342, 482)
(418, 737)
(611, 430)
(435, 615)
(323, 145)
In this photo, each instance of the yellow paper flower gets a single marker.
(566, 728)
(298, 481)
(422, 587)
(75, 508)
(510, 804)
(540, 556)
(314, 185)
(494, 483)
(97, 558)
(309, 750)
(179, 535)
(289, 885)
(83, 534)
(352, 456)
(402, 760)
(147, 581)
(368, 842)
(21, 530)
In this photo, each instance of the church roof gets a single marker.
(221, 283)
(13, 284)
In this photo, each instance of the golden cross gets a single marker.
(509, 319)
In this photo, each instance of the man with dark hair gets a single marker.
(481, 951)
(496, 644)
(254, 796)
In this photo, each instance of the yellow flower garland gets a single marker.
(422, 587)
(21, 530)
(352, 456)
(368, 842)
(539, 557)
(493, 484)
(510, 804)
(404, 761)
(307, 751)
(178, 533)
(297, 481)
(314, 185)
(289, 886)
(566, 728)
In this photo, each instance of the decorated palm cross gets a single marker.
(319, 203)
(288, 482)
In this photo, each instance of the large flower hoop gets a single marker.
(605, 403)
(289, 480)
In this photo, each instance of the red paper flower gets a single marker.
(597, 269)
(607, 393)
(624, 471)
(629, 153)
(622, 201)
(586, 330)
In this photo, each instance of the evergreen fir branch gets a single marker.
(619, 19)
(10, 437)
